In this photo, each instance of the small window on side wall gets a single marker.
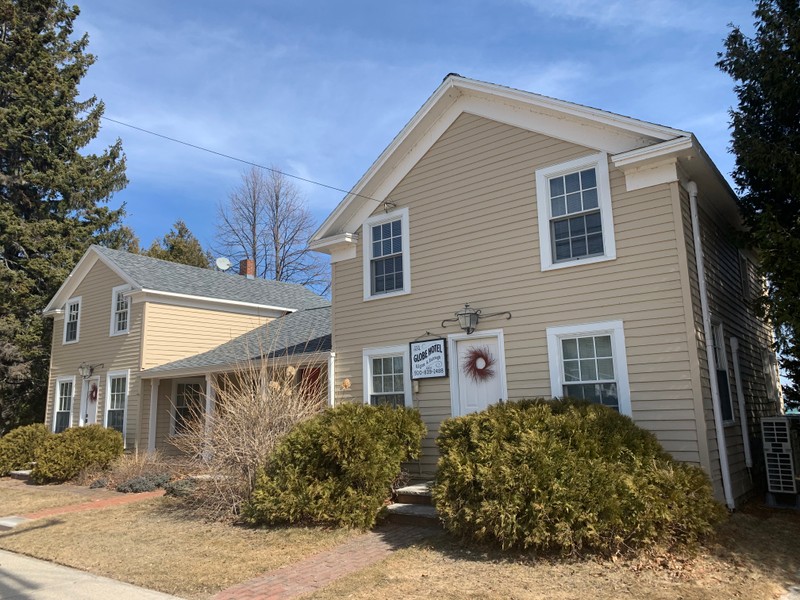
(574, 209)
(62, 413)
(387, 269)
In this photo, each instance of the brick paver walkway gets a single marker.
(93, 504)
(319, 570)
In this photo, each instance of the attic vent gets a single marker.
(776, 436)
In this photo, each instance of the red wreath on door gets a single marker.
(478, 364)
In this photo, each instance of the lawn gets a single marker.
(755, 556)
(157, 545)
(17, 497)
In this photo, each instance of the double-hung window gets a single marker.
(120, 310)
(62, 415)
(188, 403)
(72, 321)
(116, 400)
(387, 378)
(386, 255)
(574, 207)
(588, 362)
(721, 368)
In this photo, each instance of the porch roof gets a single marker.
(299, 334)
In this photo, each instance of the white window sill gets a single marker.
(577, 262)
(387, 295)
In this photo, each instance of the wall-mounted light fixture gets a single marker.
(85, 370)
(468, 318)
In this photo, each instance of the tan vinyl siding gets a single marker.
(474, 238)
(728, 306)
(96, 347)
(173, 332)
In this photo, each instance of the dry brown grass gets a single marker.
(17, 497)
(135, 464)
(755, 556)
(154, 545)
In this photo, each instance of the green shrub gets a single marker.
(565, 476)
(336, 468)
(18, 447)
(144, 483)
(64, 455)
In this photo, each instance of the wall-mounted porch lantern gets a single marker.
(86, 370)
(468, 318)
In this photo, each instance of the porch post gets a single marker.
(331, 378)
(210, 400)
(151, 430)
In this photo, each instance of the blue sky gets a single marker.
(320, 88)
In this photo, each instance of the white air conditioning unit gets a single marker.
(779, 455)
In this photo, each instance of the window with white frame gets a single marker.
(386, 255)
(721, 367)
(387, 378)
(72, 321)
(120, 310)
(574, 207)
(116, 401)
(188, 404)
(62, 413)
(589, 362)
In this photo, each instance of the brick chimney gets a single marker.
(247, 267)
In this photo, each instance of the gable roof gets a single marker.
(300, 333)
(147, 274)
(631, 140)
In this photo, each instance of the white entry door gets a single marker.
(90, 390)
(478, 377)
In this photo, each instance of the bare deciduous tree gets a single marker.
(265, 219)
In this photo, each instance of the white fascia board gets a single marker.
(681, 145)
(339, 247)
(76, 276)
(214, 303)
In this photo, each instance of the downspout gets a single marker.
(722, 447)
(748, 457)
(331, 378)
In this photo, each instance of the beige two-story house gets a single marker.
(120, 315)
(507, 245)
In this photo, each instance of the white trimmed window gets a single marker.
(574, 207)
(120, 310)
(72, 321)
(116, 400)
(589, 362)
(387, 269)
(721, 368)
(62, 413)
(188, 403)
(387, 376)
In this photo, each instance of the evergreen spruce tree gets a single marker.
(52, 196)
(180, 246)
(766, 140)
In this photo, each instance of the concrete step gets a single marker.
(23, 475)
(419, 493)
(413, 514)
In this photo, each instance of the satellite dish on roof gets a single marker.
(223, 264)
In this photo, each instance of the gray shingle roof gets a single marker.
(302, 332)
(163, 276)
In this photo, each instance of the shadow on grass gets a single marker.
(26, 528)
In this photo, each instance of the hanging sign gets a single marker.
(428, 359)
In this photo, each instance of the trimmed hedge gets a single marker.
(18, 447)
(64, 455)
(336, 468)
(566, 476)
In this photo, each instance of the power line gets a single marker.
(241, 160)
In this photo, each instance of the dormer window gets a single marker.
(72, 321)
(120, 310)
(386, 255)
